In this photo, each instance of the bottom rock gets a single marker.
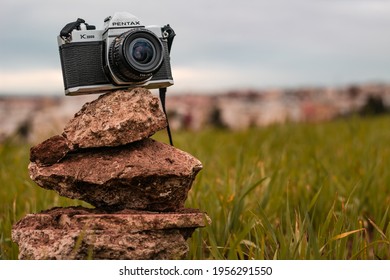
(81, 233)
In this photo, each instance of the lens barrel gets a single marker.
(136, 55)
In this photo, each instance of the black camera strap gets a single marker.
(67, 29)
(170, 35)
(163, 92)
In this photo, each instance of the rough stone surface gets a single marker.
(50, 151)
(145, 175)
(81, 233)
(116, 118)
(105, 157)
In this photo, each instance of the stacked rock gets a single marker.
(137, 185)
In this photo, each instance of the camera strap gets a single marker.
(163, 91)
(170, 35)
(67, 29)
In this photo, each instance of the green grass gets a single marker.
(295, 191)
(19, 195)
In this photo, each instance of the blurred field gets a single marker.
(295, 191)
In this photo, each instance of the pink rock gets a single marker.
(145, 175)
(116, 118)
(81, 233)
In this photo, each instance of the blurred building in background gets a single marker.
(248, 108)
(36, 118)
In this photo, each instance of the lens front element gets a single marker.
(142, 51)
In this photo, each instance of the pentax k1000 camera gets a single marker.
(124, 54)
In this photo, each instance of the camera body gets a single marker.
(124, 54)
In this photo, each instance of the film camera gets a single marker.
(124, 54)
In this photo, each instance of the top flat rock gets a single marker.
(115, 118)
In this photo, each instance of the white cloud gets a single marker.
(43, 81)
(217, 78)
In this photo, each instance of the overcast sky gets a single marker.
(219, 44)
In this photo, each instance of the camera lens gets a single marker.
(136, 55)
(142, 51)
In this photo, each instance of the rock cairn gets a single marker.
(137, 185)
